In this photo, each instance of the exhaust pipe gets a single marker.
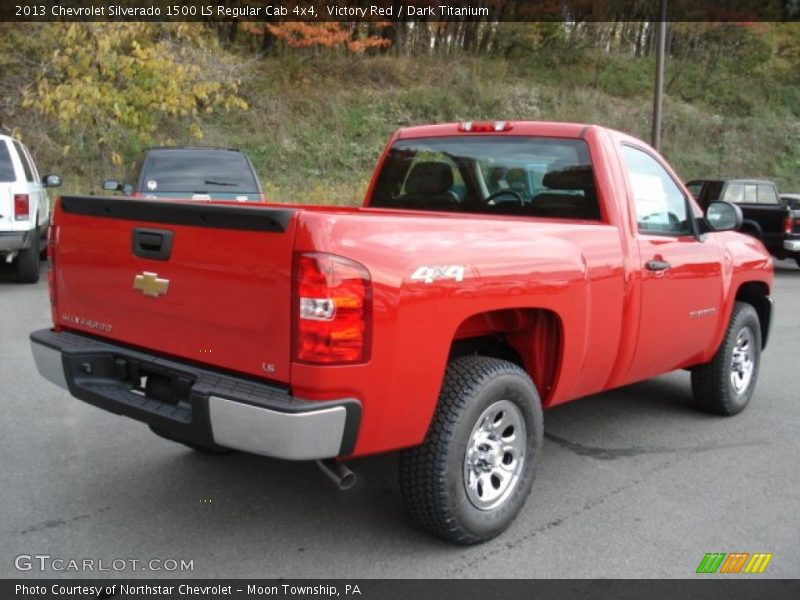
(337, 472)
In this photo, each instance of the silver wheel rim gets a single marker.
(742, 360)
(495, 455)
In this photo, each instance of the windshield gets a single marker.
(198, 171)
(529, 176)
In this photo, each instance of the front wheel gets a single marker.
(725, 385)
(797, 260)
(475, 469)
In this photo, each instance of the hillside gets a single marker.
(315, 122)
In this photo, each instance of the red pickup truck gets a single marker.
(494, 270)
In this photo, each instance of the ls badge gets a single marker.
(150, 284)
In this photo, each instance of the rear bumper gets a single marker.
(14, 240)
(204, 406)
(791, 245)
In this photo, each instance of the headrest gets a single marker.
(570, 178)
(429, 178)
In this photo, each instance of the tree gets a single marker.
(299, 34)
(117, 84)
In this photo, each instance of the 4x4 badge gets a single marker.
(150, 284)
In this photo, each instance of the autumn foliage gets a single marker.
(321, 35)
(125, 79)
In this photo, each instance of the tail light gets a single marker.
(788, 224)
(332, 310)
(21, 207)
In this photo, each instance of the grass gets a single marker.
(316, 127)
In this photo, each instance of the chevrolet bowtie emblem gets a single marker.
(150, 285)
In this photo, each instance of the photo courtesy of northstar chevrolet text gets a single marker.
(365, 292)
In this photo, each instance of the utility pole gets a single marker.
(659, 91)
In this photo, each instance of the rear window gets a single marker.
(526, 176)
(198, 172)
(6, 166)
(741, 193)
(767, 195)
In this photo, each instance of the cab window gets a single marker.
(660, 205)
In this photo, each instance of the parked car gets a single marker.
(791, 200)
(24, 209)
(766, 217)
(189, 172)
(439, 319)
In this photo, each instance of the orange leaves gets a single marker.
(298, 34)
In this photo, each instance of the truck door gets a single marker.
(680, 276)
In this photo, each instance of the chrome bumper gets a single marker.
(49, 364)
(791, 245)
(288, 428)
(10, 242)
(306, 436)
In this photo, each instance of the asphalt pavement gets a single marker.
(632, 483)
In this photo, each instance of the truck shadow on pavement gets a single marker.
(255, 500)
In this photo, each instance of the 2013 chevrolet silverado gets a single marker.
(494, 270)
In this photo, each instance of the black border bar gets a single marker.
(387, 11)
(733, 588)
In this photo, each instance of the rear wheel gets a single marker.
(475, 469)
(27, 263)
(205, 449)
(725, 385)
(797, 260)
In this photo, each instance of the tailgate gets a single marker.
(203, 282)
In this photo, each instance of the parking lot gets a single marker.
(633, 483)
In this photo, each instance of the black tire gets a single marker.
(43, 243)
(797, 260)
(27, 262)
(205, 449)
(434, 476)
(715, 387)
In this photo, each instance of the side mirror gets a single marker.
(112, 185)
(51, 181)
(723, 216)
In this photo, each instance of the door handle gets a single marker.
(155, 244)
(657, 265)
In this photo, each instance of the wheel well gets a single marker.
(528, 337)
(494, 346)
(756, 293)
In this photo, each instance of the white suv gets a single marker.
(24, 209)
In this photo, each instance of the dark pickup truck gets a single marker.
(766, 217)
